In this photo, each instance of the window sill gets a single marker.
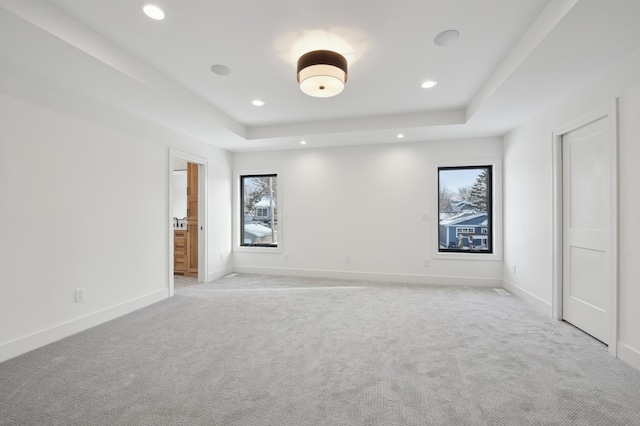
(487, 257)
(258, 249)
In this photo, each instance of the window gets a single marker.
(460, 230)
(258, 212)
(464, 209)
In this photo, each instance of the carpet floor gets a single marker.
(264, 350)
(180, 281)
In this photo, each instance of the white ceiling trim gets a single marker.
(545, 23)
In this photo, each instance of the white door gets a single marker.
(586, 212)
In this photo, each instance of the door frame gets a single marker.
(203, 243)
(610, 111)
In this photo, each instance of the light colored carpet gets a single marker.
(258, 350)
(180, 281)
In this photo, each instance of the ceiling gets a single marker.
(512, 59)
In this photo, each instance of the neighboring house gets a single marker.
(255, 233)
(455, 206)
(262, 210)
(463, 229)
(257, 226)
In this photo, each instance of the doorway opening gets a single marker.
(188, 203)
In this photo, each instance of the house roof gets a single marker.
(462, 218)
(265, 202)
(499, 73)
(257, 229)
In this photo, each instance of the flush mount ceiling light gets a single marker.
(322, 73)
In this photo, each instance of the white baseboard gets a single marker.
(219, 273)
(629, 355)
(531, 299)
(33, 341)
(624, 352)
(372, 276)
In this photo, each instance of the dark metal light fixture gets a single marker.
(322, 73)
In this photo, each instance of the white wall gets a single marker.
(528, 196)
(629, 242)
(180, 194)
(219, 185)
(366, 203)
(61, 186)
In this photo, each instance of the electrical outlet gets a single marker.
(425, 217)
(514, 269)
(286, 256)
(426, 262)
(348, 260)
(79, 295)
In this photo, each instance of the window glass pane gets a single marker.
(464, 209)
(259, 221)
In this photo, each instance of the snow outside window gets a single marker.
(258, 213)
(465, 205)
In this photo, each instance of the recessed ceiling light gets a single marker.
(400, 135)
(220, 69)
(446, 38)
(429, 84)
(303, 142)
(153, 11)
(257, 102)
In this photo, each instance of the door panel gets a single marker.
(192, 219)
(583, 263)
(585, 228)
